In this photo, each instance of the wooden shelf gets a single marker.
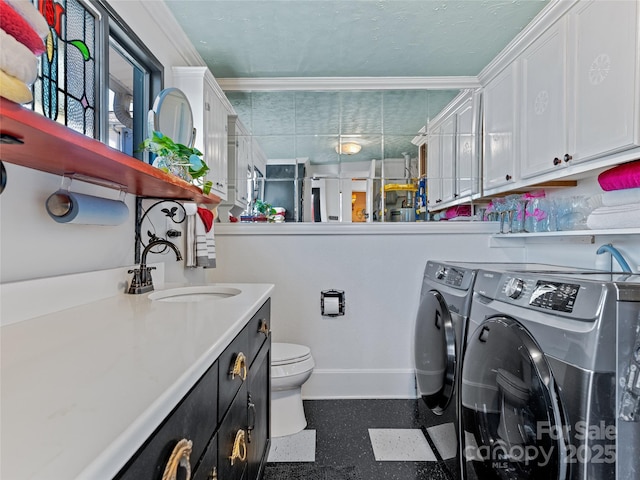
(51, 147)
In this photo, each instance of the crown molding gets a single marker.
(347, 83)
(160, 14)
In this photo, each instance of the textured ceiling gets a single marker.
(347, 38)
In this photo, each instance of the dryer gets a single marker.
(549, 383)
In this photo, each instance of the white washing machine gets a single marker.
(550, 386)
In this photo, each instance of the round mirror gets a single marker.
(171, 116)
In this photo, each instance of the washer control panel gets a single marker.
(560, 297)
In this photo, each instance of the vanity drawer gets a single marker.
(194, 419)
(233, 439)
(234, 368)
(258, 329)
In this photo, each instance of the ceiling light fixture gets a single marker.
(348, 148)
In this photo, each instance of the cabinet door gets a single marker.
(434, 180)
(215, 141)
(605, 83)
(448, 158)
(500, 135)
(465, 150)
(544, 125)
(242, 164)
(193, 419)
(259, 406)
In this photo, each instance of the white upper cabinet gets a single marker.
(453, 162)
(580, 88)
(467, 161)
(210, 111)
(544, 119)
(501, 129)
(240, 164)
(604, 83)
(448, 158)
(434, 180)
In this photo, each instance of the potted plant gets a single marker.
(264, 210)
(178, 159)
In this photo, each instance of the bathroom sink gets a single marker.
(202, 293)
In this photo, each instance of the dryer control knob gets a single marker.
(514, 288)
(441, 273)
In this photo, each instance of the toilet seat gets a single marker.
(288, 353)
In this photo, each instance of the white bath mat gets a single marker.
(398, 445)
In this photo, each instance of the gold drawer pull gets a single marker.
(213, 474)
(179, 458)
(239, 448)
(239, 367)
(264, 328)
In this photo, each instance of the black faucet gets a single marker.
(142, 282)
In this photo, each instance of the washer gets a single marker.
(549, 386)
(440, 329)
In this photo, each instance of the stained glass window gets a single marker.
(65, 90)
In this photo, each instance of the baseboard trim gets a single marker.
(359, 384)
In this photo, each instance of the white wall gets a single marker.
(368, 352)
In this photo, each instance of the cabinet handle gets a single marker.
(179, 458)
(557, 161)
(213, 474)
(508, 177)
(251, 417)
(239, 450)
(264, 327)
(239, 367)
(567, 157)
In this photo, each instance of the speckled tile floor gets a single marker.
(364, 439)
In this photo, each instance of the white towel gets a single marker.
(17, 60)
(32, 16)
(621, 197)
(190, 241)
(205, 245)
(618, 216)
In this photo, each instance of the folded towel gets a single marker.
(190, 242)
(30, 13)
(621, 177)
(619, 216)
(17, 60)
(13, 89)
(205, 241)
(16, 26)
(621, 197)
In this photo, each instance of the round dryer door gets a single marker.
(435, 352)
(512, 418)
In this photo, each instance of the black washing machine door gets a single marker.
(435, 352)
(512, 419)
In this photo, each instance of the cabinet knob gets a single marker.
(557, 161)
(264, 328)
(179, 458)
(567, 157)
(508, 177)
(239, 451)
(239, 367)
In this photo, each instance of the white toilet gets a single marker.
(291, 366)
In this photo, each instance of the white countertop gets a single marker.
(82, 388)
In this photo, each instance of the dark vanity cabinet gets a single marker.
(220, 429)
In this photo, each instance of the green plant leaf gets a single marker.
(206, 187)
